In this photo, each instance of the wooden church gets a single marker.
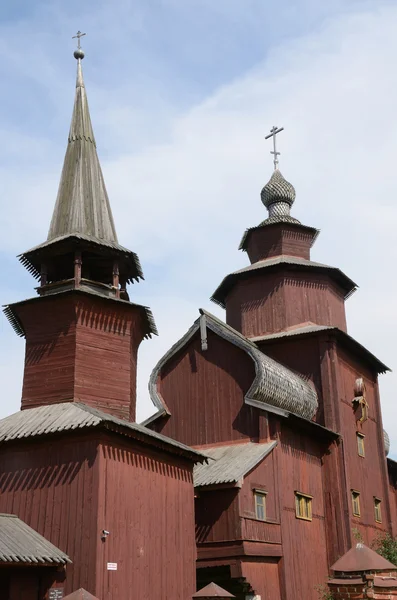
(266, 450)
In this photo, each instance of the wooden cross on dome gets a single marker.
(273, 132)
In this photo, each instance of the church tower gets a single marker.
(82, 332)
(283, 288)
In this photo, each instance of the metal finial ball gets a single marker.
(78, 53)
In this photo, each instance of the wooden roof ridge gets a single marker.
(275, 387)
(20, 544)
(76, 416)
(82, 204)
(361, 558)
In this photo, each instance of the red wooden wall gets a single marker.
(299, 469)
(81, 348)
(269, 302)
(70, 488)
(205, 394)
(52, 485)
(147, 505)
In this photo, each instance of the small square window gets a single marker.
(356, 503)
(360, 444)
(378, 510)
(260, 505)
(303, 506)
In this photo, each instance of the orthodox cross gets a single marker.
(273, 132)
(78, 36)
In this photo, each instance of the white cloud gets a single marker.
(183, 200)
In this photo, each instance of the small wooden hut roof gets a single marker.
(80, 594)
(212, 590)
(20, 544)
(362, 558)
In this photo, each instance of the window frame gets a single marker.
(360, 439)
(260, 493)
(377, 507)
(305, 500)
(355, 494)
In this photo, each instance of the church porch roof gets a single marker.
(20, 544)
(231, 463)
(74, 416)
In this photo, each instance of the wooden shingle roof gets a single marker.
(20, 544)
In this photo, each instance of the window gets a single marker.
(378, 512)
(303, 506)
(360, 444)
(260, 505)
(356, 503)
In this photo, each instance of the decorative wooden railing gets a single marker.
(260, 531)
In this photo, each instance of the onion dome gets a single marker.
(278, 195)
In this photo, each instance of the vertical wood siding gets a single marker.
(205, 393)
(269, 302)
(304, 542)
(147, 505)
(52, 486)
(279, 239)
(263, 576)
(366, 475)
(217, 516)
(84, 349)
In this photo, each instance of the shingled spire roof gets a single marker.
(82, 218)
(82, 204)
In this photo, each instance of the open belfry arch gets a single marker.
(266, 448)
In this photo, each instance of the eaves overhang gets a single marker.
(289, 263)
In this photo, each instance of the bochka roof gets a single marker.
(20, 544)
(74, 416)
(289, 262)
(361, 558)
(274, 387)
(231, 463)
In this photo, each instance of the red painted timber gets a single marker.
(80, 348)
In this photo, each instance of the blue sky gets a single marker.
(181, 94)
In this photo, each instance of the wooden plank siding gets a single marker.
(81, 348)
(205, 390)
(147, 505)
(279, 239)
(268, 302)
(368, 474)
(52, 485)
(300, 469)
(263, 576)
(71, 488)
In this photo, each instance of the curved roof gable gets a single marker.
(274, 385)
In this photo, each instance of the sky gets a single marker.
(181, 94)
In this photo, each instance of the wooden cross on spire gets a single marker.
(78, 36)
(273, 132)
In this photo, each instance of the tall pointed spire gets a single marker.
(82, 204)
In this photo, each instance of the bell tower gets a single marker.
(82, 332)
